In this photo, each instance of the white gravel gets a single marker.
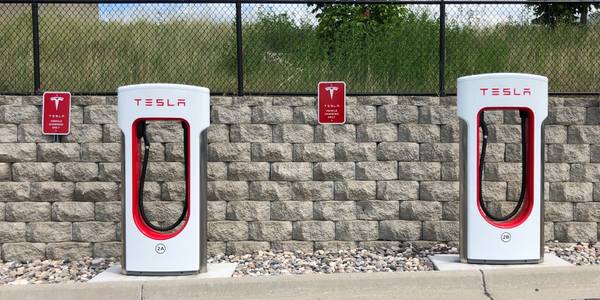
(405, 259)
(580, 254)
(53, 271)
(399, 259)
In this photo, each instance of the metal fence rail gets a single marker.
(259, 47)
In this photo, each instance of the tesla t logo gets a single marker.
(159, 102)
(507, 91)
(56, 100)
(331, 90)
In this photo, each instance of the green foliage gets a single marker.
(274, 32)
(561, 13)
(358, 43)
(90, 55)
(395, 53)
(275, 44)
(338, 22)
(16, 60)
(363, 53)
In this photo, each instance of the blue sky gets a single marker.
(476, 14)
(212, 12)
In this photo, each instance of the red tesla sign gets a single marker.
(56, 113)
(332, 102)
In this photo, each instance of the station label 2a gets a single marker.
(332, 102)
(56, 113)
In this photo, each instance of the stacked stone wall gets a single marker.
(278, 180)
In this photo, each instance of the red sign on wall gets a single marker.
(56, 113)
(332, 102)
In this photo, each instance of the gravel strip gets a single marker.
(53, 271)
(580, 254)
(397, 259)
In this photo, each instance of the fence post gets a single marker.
(35, 30)
(240, 53)
(442, 50)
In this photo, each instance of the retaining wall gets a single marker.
(278, 180)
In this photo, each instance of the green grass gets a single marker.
(281, 56)
(567, 55)
(84, 55)
(403, 59)
(16, 59)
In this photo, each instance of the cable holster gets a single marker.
(141, 133)
(484, 130)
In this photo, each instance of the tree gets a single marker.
(562, 13)
(339, 21)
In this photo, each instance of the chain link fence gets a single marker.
(241, 47)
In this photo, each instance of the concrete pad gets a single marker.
(506, 283)
(464, 285)
(451, 262)
(74, 291)
(582, 282)
(113, 273)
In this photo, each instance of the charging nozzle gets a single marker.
(141, 129)
(484, 130)
(523, 114)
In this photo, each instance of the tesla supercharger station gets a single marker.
(516, 237)
(180, 247)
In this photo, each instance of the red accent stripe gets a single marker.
(136, 169)
(528, 202)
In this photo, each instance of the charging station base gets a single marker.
(220, 270)
(451, 262)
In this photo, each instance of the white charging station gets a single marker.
(518, 236)
(179, 248)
